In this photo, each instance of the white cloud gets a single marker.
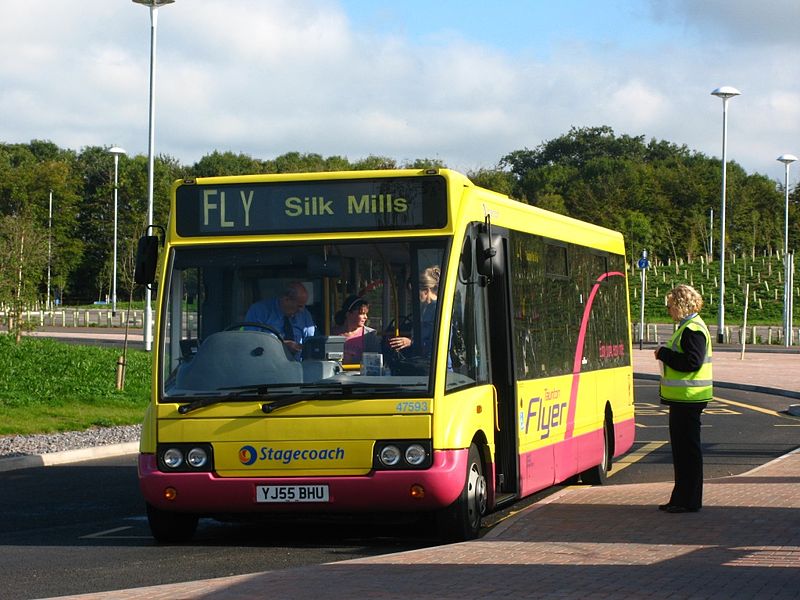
(266, 78)
(766, 22)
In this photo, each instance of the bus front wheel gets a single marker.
(171, 527)
(598, 474)
(462, 519)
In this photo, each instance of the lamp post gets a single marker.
(726, 93)
(154, 6)
(116, 151)
(49, 248)
(786, 159)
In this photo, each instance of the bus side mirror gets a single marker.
(146, 260)
(465, 264)
(488, 260)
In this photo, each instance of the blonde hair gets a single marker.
(685, 299)
(429, 278)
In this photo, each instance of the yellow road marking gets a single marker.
(635, 456)
(766, 411)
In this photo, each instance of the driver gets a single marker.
(287, 313)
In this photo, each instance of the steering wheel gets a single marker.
(262, 326)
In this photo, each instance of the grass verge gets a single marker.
(48, 386)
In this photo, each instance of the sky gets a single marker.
(462, 81)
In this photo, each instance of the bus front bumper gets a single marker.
(378, 491)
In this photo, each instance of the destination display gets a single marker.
(311, 206)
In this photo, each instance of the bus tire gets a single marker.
(598, 474)
(171, 527)
(462, 519)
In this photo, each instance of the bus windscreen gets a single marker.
(376, 204)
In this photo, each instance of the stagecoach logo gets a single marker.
(247, 455)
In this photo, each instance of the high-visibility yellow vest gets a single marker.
(693, 386)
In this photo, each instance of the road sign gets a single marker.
(644, 263)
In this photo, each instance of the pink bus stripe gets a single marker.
(576, 363)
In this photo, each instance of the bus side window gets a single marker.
(457, 346)
(468, 332)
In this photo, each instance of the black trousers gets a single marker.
(687, 454)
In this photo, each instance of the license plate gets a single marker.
(292, 493)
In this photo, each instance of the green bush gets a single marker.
(47, 385)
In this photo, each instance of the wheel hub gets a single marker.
(476, 494)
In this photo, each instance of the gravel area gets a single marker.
(23, 445)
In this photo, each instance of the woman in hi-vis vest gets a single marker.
(686, 386)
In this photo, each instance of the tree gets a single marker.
(227, 163)
(373, 162)
(23, 253)
(657, 193)
(424, 163)
(493, 179)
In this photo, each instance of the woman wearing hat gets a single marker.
(351, 322)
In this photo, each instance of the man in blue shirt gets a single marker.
(287, 314)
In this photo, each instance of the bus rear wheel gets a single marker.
(171, 527)
(462, 520)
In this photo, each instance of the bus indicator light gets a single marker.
(170, 493)
(417, 491)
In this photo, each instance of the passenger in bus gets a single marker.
(287, 313)
(351, 322)
(686, 387)
(428, 298)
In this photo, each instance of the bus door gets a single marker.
(499, 315)
(480, 347)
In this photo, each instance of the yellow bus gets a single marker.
(508, 373)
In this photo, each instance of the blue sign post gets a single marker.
(643, 265)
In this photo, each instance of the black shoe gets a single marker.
(664, 507)
(675, 509)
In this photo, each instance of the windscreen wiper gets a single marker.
(200, 403)
(258, 392)
(323, 392)
(237, 393)
(328, 392)
(305, 392)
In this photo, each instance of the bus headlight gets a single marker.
(197, 457)
(173, 458)
(185, 458)
(390, 455)
(415, 455)
(402, 454)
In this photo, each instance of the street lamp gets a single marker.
(154, 6)
(725, 92)
(49, 248)
(786, 159)
(116, 151)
